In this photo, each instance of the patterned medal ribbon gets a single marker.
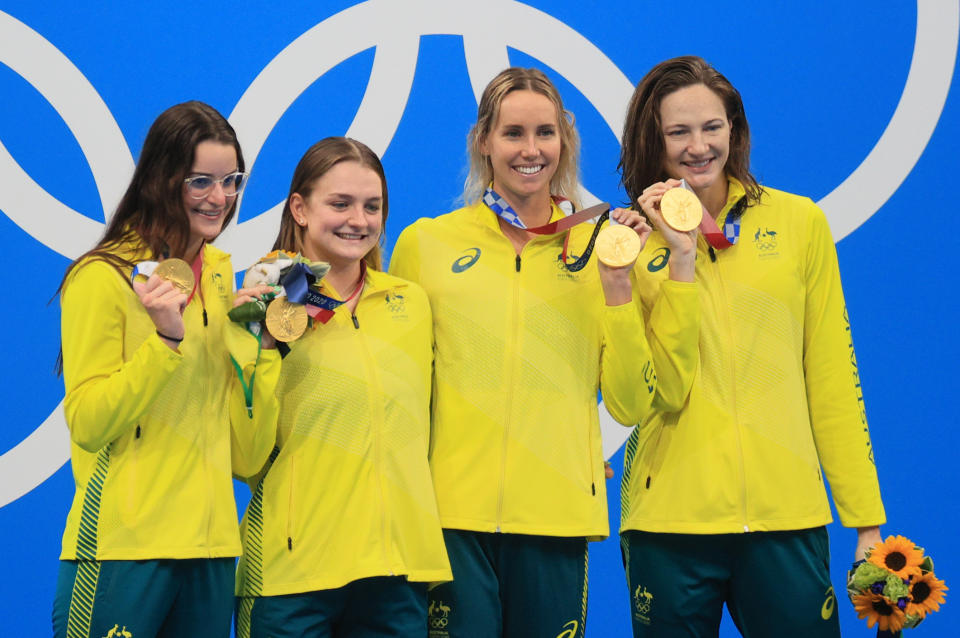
(505, 211)
(298, 284)
(731, 226)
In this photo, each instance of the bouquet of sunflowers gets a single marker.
(895, 587)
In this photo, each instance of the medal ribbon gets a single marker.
(298, 284)
(502, 208)
(505, 211)
(248, 387)
(731, 226)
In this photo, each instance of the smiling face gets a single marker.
(212, 159)
(696, 137)
(523, 146)
(342, 216)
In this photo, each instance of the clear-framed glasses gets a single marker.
(199, 186)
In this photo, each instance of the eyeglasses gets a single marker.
(199, 186)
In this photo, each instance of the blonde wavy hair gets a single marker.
(566, 180)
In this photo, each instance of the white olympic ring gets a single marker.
(389, 27)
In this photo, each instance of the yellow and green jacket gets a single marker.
(523, 345)
(348, 494)
(776, 394)
(156, 435)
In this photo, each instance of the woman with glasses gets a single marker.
(342, 536)
(529, 326)
(724, 498)
(159, 420)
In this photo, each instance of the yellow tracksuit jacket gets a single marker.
(157, 434)
(349, 494)
(776, 393)
(522, 347)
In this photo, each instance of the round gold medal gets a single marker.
(618, 246)
(286, 320)
(178, 272)
(681, 209)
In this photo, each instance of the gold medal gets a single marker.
(618, 246)
(681, 209)
(178, 272)
(286, 320)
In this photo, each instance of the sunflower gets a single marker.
(926, 594)
(898, 555)
(879, 611)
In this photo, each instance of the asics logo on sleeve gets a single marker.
(462, 263)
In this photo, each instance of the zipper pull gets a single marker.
(137, 435)
(648, 482)
(289, 543)
(713, 254)
(593, 488)
(204, 316)
(518, 263)
(356, 324)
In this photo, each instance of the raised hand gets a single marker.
(683, 245)
(164, 303)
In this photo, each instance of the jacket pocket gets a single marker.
(651, 457)
(132, 501)
(291, 503)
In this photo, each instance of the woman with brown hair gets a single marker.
(158, 419)
(724, 498)
(342, 536)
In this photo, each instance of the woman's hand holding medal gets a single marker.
(164, 299)
(252, 294)
(618, 246)
(680, 232)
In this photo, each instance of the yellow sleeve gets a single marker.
(628, 378)
(105, 395)
(834, 394)
(405, 258)
(254, 407)
(673, 332)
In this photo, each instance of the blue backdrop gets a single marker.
(851, 107)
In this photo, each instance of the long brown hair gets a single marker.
(566, 179)
(642, 147)
(314, 164)
(151, 211)
(151, 215)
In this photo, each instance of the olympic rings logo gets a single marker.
(394, 30)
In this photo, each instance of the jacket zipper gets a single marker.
(206, 392)
(377, 423)
(724, 303)
(508, 407)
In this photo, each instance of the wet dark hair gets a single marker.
(642, 146)
(151, 209)
(151, 212)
